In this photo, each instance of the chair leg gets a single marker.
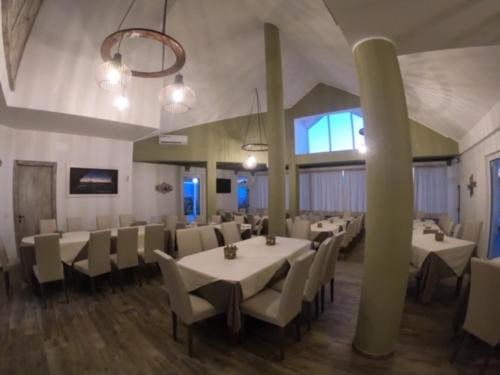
(190, 340)
(282, 343)
(322, 298)
(111, 282)
(316, 303)
(140, 275)
(65, 290)
(92, 285)
(309, 312)
(42, 293)
(6, 277)
(458, 286)
(297, 327)
(487, 361)
(332, 286)
(120, 272)
(460, 343)
(174, 325)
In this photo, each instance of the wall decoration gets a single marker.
(472, 185)
(18, 17)
(164, 188)
(93, 181)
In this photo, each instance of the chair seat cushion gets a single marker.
(202, 309)
(82, 266)
(279, 285)
(37, 275)
(264, 306)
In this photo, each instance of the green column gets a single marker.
(293, 180)
(211, 188)
(275, 131)
(389, 197)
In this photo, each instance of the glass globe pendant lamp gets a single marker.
(250, 162)
(113, 75)
(177, 97)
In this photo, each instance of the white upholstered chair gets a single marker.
(208, 237)
(104, 222)
(48, 267)
(231, 232)
(188, 242)
(186, 307)
(74, 224)
(240, 219)
(5, 266)
(154, 239)
(289, 227)
(471, 231)
(216, 219)
(171, 225)
(48, 226)
(330, 265)
(98, 258)
(127, 252)
(278, 308)
(301, 229)
(483, 310)
(347, 213)
(126, 220)
(457, 231)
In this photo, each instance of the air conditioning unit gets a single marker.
(173, 140)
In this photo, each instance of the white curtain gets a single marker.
(354, 194)
(304, 191)
(326, 191)
(258, 192)
(431, 189)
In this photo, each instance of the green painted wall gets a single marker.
(221, 140)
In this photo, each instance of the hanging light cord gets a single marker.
(163, 31)
(260, 120)
(123, 20)
(249, 120)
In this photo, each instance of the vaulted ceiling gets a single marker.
(449, 58)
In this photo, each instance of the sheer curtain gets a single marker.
(305, 191)
(326, 190)
(354, 194)
(431, 189)
(258, 192)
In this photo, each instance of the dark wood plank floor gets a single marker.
(130, 333)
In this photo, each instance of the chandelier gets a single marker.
(114, 75)
(259, 144)
(177, 97)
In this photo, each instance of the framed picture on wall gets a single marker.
(93, 181)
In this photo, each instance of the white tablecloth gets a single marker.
(453, 251)
(254, 266)
(327, 226)
(72, 243)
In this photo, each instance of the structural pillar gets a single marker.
(275, 123)
(389, 197)
(294, 183)
(211, 188)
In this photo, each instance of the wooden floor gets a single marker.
(130, 333)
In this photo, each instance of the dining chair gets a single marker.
(48, 266)
(208, 237)
(448, 229)
(127, 252)
(126, 220)
(187, 307)
(240, 219)
(216, 219)
(471, 231)
(5, 266)
(104, 222)
(98, 258)
(347, 213)
(348, 235)
(289, 227)
(48, 226)
(278, 308)
(457, 232)
(171, 225)
(330, 265)
(154, 239)
(483, 308)
(188, 242)
(301, 229)
(74, 224)
(230, 232)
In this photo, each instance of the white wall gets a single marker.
(147, 201)
(67, 150)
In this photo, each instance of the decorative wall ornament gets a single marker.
(164, 188)
(472, 185)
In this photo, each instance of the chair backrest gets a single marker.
(171, 225)
(127, 243)
(199, 220)
(4, 259)
(217, 219)
(315, 278)
(208, 238)
(240, 219)
(230, 232)
(176, 289)
(347, 213)
(103, 222)
(188, 242)
(331, 259)
(457, 231)
(98, 252)
(483, 309)
(252, 221)
(48, 257)
(448, 229)
(471, 231)
(291, 301)
(48, 226)
(301, 229)
(126, 220)
(289, 227)
(74, 224)
(154, 239)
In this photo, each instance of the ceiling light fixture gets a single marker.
(258, 145)
(121, 102)
(250, 162)
(177, 97)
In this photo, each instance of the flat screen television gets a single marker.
(93, 181)
(223, 186)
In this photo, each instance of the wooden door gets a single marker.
(34, 194)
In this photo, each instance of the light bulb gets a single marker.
(113, 76)
(362, 149)
(121, 102)
(250, 162)
(195, 180)
(178, 95)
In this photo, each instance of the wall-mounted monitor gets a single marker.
(223, 186)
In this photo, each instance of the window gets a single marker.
(192, 197)
(243, 193)
(336, 131)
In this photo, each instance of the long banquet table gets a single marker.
(225, 283)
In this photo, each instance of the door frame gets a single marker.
(15, 190)
(489, 197)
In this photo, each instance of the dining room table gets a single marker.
(225, 283)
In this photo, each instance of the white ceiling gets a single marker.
(448, 90)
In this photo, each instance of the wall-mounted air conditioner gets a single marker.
(173, 140)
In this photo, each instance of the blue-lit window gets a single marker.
(243, 193)
(336, 131)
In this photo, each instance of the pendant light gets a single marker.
(258, 145)
(177, 97)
